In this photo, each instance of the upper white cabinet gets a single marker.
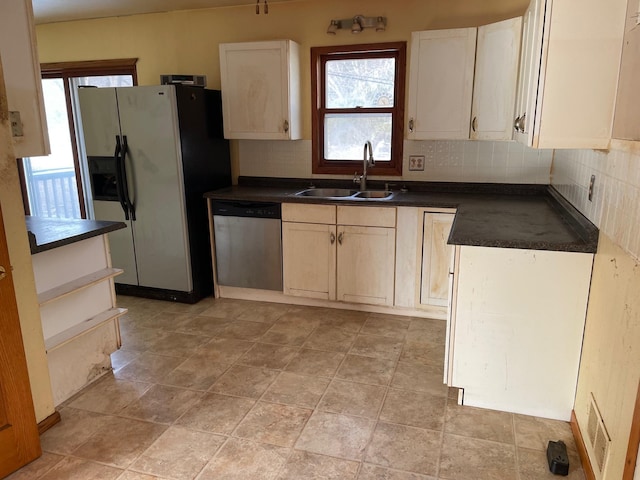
(441, 83)
(261, 90)
(569, 74)
(23, 83)
(496, 79)
(446, 99)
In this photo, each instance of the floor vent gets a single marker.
(597, 437)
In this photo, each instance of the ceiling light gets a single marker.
(357, 24)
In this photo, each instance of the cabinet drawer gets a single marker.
(295, 212)
(367, 216)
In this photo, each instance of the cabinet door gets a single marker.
(309, 260)
(496, 78)
(441, 83)
(365, 264)
(436, 259)
(260, 90)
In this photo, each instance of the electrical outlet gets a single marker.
(591, 184)
(416, 163)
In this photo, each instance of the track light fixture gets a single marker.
(357, 24)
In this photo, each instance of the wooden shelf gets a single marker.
(77, 285)
(81, 328)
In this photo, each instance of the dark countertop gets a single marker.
(47, 233)
(533, 217)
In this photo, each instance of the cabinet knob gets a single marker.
(411, 125)
(516, 124)
(286, 126)
(340, 235)
(332, 237)
(3, 272)
(474, 124)
(522, 124)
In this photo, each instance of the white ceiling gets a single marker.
(47, 11)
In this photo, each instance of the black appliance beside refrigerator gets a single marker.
(152, 153)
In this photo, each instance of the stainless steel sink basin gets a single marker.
(327, 192)
(374, 194)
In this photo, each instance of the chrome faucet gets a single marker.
(366, 162)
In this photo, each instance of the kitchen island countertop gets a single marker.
(533, 217)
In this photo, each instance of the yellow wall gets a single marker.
(610, 365)
(20, 255)
(187, 42)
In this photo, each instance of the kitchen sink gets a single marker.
(374, 194)
(327, 192)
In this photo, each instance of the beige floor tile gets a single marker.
(165, 320)
(405, 448)
(75, 428)
(350, 320)
(293, 389)
(300, 316)
(336, 435)
(227, 308)
(366, 370)
(420, 378)
(120, 358)
(270, 356)
(533, 465)
(130, 475)
(294, 335)
(196, 373)
(427, 330)
(120, 441)
(372, 472)
(423, 353)
(241, 459)
(109, 395)
(308, 466)
(204, 325)
(245, 381)
(352, 399)
(242, 330)
(315, 362)
(81, 469)
(417, 409)
(178, 345)
(332, 339)
(535, 433)
(386, 325)
(223, 350)
(148, 368)
(216, 413)
(273, 423)
(479, 423)
(472, 459)
(264, 312)
(162, 404)
(140, 339)
(189, 308)
(179, 453)
(37, 468)
(376, 346)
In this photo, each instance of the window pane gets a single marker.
(345, 135)
(106, 81)
(51, 180)
(360, 83)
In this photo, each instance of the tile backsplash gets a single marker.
(445, 161)
(615, 205)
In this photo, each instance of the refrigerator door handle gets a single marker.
(119, 179)
(130, 205)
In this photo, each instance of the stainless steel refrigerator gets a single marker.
(152, 153)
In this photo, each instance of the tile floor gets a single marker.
(229, 389)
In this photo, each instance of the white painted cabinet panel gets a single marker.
(261, 90)
(571, 51)
(517, 336)
(441, 83)
(19, 55)
(437, 257)
(496, 78)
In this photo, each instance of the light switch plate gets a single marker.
(416, 163)
(16, 124)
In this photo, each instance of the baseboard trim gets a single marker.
(49, 422)
(582, 448)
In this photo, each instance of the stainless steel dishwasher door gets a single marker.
(248, 252)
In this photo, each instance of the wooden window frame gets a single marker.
(319, 57)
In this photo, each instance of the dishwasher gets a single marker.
(248, 244)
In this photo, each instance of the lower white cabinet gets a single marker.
(437, 258)
(516, 326)
(343, 253)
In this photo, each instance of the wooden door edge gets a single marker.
(49, 422)
(634, 441)
(582, 448)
